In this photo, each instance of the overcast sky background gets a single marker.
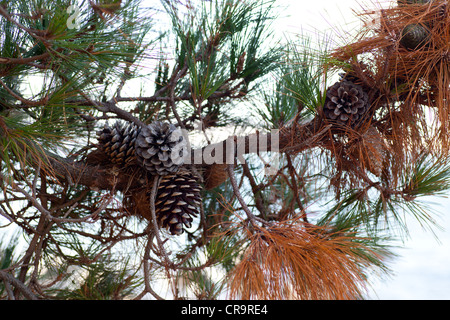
(422, 270)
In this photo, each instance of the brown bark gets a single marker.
(103, 176)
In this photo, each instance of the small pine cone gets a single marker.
(177, 201)
(117, 142)
(160, 148)
(345, 102)
(414, 36)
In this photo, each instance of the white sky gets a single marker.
(422, 271)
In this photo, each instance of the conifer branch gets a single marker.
(363, 145)
(236, 191)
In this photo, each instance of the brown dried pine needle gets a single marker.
(297, 261)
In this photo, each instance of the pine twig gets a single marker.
(255, 189)
(171, 86)
(18, 284)
(162, 251)
(32, 32)
(26, 102)
(250, 216)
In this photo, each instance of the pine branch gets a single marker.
(34, 33)
(236, 191)
(7, 60)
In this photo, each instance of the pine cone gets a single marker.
(346, 102)
(117, 142)
(414, 36)
(160, 148)
(177, 201)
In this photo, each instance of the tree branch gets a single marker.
(236, 191)
(20, 286)
(6, 60)
(101, 177)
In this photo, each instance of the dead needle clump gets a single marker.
(297, 261)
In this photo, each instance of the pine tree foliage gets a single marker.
(82, 81)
